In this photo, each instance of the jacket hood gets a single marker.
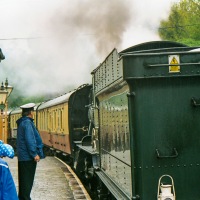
(23, 119)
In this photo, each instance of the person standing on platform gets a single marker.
(7, 185)
(29, 151)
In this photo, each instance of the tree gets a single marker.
(183, 23)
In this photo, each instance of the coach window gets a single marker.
(61, 118)
(49, 124)
(52, 124)
(13, 119)
(44, 120)
(54, 120)
(41, 120)
(49, 120)
(58, 120)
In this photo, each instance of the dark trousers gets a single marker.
(26, 173)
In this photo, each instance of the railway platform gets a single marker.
(54, 180)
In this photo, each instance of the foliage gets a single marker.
(183, 23)
(16, 99)
(190, 42)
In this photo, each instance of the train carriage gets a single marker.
(64, 119)
(13, 116)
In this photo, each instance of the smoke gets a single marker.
(66, 40)
(104, 21)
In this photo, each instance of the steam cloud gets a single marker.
(68, 39)
(104, 20)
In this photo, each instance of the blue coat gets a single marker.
(7, 186)
(29, 142)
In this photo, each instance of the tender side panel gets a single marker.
(110, 92)
(115, 138)
(108, 73)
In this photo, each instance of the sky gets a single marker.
(52, 46)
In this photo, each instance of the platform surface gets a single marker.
(50, 182)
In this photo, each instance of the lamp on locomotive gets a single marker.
(166, 191)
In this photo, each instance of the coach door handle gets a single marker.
(174, 155)
(195, 102)
(84, 128)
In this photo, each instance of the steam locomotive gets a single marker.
(134, 133)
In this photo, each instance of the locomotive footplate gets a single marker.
(85, 158)
(88, 149)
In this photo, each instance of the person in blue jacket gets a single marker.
(7, 185)
(29, 151)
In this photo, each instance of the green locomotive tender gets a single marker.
(145, 119)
